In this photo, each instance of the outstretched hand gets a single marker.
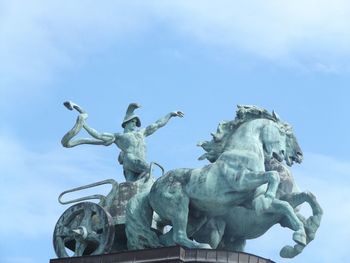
(72, 106)
(177, 114)
(68, 105)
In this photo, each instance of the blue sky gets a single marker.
(200, 57)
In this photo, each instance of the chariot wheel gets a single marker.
(83, 229)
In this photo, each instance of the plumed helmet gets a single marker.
(130, 114)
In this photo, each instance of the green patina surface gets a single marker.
(131, 142)
(244, 190)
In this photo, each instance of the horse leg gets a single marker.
(268, 203)
(167, 239)
(299, 236)
(211, 232)
(286, 209)
(310, 225)
(231, 244)
(179, 220)
(171, 203)
(250, 181)
(194, 224)
(238, 245)
(296, 199)
(247, 180)
(313, 222)
(291, 252)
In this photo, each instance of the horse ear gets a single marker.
(275, 115)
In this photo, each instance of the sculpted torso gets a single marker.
(132, 143)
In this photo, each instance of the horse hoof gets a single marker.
(287, 252)
(300, 237)
(206, 246)
(291, 252)
(311, 235)
(202, 245)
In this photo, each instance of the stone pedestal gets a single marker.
(174, 254)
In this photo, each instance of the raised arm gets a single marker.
(98, 138)
(161, 122)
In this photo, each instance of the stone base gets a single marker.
(174, 254)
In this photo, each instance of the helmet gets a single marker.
(130, 114)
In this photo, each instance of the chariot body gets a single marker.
(88, 228)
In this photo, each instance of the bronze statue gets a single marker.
(131, 142)
(244, 190)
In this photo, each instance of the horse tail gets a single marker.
(139, 216)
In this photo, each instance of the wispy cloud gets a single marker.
(305, 33)
(40, 38)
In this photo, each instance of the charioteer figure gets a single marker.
(131, 142)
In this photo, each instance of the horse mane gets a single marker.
(216, 146)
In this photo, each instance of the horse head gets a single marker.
(293, 150)
(274, 141)
(277, 136)
(279, 142)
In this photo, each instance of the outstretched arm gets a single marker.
(105, 138)
(161, 122)
(98, 138)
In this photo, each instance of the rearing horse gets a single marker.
(230, 231)
(186, 198)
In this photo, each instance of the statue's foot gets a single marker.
(287, 252)
(300, 237)
(291, 252)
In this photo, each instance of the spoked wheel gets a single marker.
(83, 229)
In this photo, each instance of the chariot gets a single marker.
(88, 228)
